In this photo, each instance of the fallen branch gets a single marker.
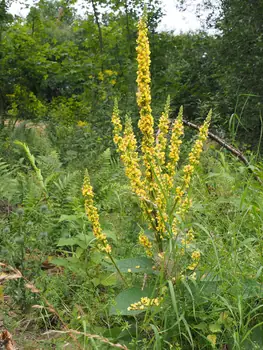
(230, 148)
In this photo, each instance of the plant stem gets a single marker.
(118, 270)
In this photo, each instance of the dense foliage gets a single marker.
(115, 231)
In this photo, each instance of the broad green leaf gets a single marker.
(82, 241)
(128, 297)
(109, 280)
(135, 265)
(67, 242)
(96, 257)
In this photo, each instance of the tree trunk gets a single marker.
(94, 7)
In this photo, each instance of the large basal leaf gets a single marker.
(128, 297)
(135, 265)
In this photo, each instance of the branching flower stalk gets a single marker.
(153, 171)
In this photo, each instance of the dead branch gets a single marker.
(230, 148)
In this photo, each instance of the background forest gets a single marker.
(60, 74)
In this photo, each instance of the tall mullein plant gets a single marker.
(152, 171)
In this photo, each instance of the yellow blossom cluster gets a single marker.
(144, 303)
(195, 257)
(109, 73)
(81, 124)
(146, 122)
(181, 199)
(130, 158)
(194, 155)
(145, 242)
(189, 238)
(175, 143)
(93, 216)
(116, 121)
(161, 140)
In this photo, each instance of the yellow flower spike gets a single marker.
(116, 121)
(145, 242)
(181, 199)
(93, 216)
(161, 140)
(175, 143)
(130, 158)
(194, 155)
(146, 122)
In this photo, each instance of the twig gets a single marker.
(93, 336)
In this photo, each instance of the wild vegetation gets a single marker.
(120, 226)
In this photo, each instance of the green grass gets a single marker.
(224, 301)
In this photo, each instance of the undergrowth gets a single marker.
(153, 293)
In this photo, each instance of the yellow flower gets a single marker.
(109, 72)
(189, 238)
(130, 158)
(93, 216)
(116, 121)
(212, 339)
(196, 255)
(144, 303)
(192, 266)
(145, 242)
(194, 155)
(101, 76)
(81, 123)
(175, 143)
(193, 276)
(161, 139)
(144, 93)
(107, 249)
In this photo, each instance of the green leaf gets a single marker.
(96, 257)
(68, 218)
(135, 265)
(215, 327)
(110, 234)
(67, 242)
(202, 326)
(128, 297)
(109, 280)
(83, 241)
(60, 262)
